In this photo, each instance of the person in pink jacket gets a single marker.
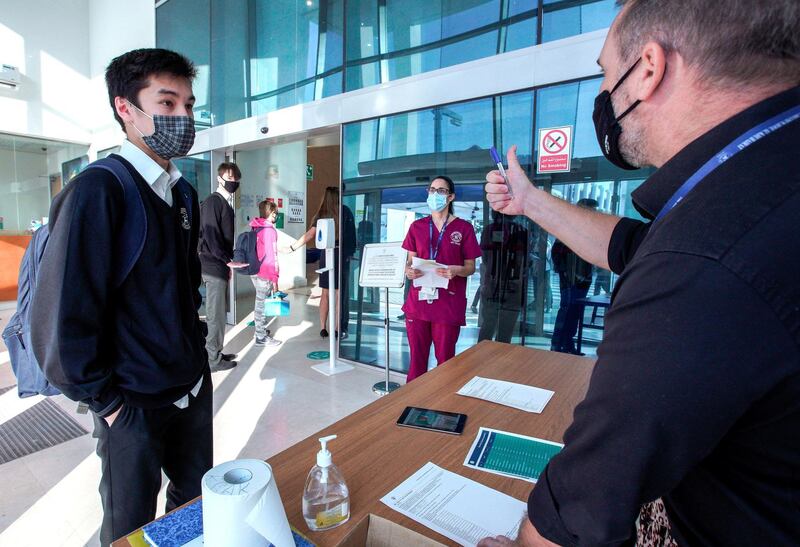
(266, 281)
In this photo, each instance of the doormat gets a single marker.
(43, 425)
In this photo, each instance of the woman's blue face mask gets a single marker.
(437, 202)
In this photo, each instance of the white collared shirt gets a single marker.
(183, 402)
(161, 183)
(225, 194)
(159, 180)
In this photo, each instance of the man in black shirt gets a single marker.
(133, 350)
(692, 417)
(216, 251)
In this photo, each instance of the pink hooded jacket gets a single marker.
(267, 249)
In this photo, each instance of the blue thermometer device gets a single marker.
(499, 162)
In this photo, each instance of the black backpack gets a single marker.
(246, 253)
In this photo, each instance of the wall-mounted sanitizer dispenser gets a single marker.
(326, 234)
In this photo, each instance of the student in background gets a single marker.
(216, 250)
(329, 208)
(438, 316)
(266, 280)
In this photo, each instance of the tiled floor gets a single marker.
(269, 402)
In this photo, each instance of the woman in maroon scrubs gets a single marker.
(438, 315)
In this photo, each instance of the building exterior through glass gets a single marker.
(259, 56)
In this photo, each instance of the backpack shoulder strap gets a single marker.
(36, 248)
(130, 240)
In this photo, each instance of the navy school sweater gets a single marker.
(142, 343)
(216, 236)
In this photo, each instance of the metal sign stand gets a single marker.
(389, 272)
(385, 388)
(333, 367)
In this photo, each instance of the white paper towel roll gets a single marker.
(242, 507)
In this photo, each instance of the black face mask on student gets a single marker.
(606, 124)
(230, 185)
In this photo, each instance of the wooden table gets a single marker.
(375, 455)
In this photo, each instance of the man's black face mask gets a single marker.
(606, 124)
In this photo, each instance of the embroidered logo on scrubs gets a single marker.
(455, 238)
(185, 219)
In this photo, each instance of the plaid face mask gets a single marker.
(173, 136)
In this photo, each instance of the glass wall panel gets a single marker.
(185, 26)
(408, 37)
(592, 177)
(229, 60)
(516, 292)
(256, 56)
(362, 29)
(564, 18)
(197, 170)
(388, 164)
(32, 172)
(294, 46)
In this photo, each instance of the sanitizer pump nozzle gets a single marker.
(324, 456)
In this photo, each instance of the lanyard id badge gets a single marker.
(433, 253)
(428, 293)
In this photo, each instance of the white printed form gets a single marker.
(455, 506)
(429, 276)
(519, 396)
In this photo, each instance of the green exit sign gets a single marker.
(309, 172)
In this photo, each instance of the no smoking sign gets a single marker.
(555, 150)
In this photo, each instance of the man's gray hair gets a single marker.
(728, 42)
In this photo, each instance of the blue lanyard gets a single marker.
(740, 143)
(433, 253)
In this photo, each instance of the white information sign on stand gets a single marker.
(383, 265)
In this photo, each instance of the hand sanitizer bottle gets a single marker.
(326, 499)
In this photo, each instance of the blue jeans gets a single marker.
(567, 319)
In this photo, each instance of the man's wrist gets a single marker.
(532, 202)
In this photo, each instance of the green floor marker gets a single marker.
(251, 324)
(319, 355)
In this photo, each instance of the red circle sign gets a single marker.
(554, 141)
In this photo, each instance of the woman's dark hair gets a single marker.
(329, 208)
(129, 73)
(451, 186)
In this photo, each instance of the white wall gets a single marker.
(48, 41)
(61, 48)
(114, 28)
